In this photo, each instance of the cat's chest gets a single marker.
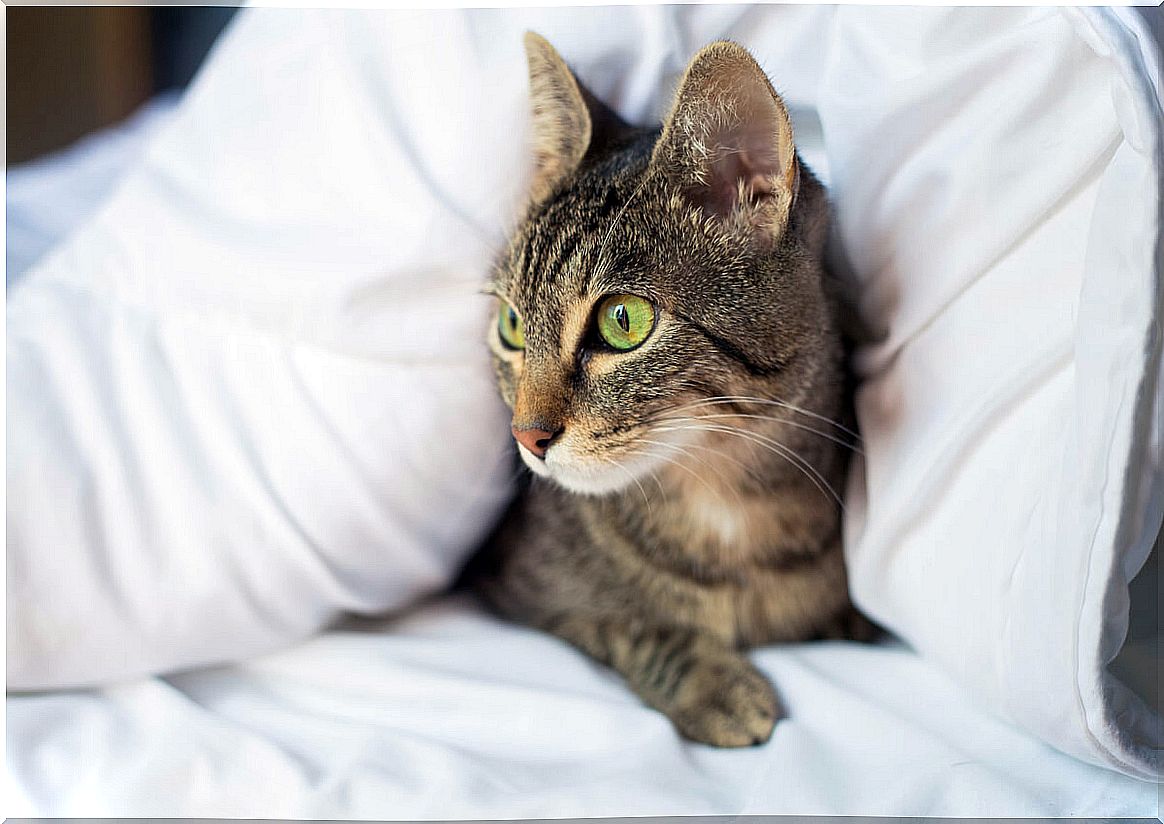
(733, 530)
(750, 570)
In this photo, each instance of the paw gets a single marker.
(725, 702)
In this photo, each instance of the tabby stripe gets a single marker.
(603, 637)
(678, 676)
(638, 639)
(563, 250)
(679, 646)
(529, 261)
(733, 352)
(649, 666)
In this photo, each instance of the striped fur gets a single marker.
(690, 506)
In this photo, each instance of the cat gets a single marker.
(669, 344)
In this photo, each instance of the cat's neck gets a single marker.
(732, 502)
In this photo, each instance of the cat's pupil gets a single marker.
(511, 318)
(621, 317)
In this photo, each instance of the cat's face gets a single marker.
(646, 281)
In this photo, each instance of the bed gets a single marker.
(439, 711)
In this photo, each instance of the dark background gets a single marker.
(72, 70)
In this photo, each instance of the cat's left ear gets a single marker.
(728, 141)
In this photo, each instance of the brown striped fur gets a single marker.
(665, 532)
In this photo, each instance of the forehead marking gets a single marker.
(599, 269)
(548, 250)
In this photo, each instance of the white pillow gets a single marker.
(996, 176)
(251, 394)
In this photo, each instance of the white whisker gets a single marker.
(783, 422)
(689, 471)
(630, 475)
(724, 456)
(682, 450)
(726, 399)
(772, 445)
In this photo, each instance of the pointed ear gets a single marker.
(568, 121)
(728, 141)
(561, 122)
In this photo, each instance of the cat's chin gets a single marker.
(564, 471)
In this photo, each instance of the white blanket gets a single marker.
(451, 714)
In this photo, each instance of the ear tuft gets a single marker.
(561, 120)
(728, 141)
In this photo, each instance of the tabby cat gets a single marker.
(668, 342)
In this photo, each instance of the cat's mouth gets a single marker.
(589, 470)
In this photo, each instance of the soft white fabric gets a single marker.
(450, 714)
(47, 198)
(1006, 235)
(251, 395)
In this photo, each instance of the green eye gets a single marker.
(625, 321)
(510, 327)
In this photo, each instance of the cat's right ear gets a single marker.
(567, 119)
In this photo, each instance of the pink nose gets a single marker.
(535, 439)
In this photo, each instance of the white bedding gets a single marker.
(451, 714)
(448, 713)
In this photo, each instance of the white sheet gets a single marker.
(451, 714)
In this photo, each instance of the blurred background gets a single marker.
(73, 70)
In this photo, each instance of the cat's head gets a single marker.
(655, 268)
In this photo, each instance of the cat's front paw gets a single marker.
(726, 702)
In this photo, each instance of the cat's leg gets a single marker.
(850, 624)
(710, 691)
